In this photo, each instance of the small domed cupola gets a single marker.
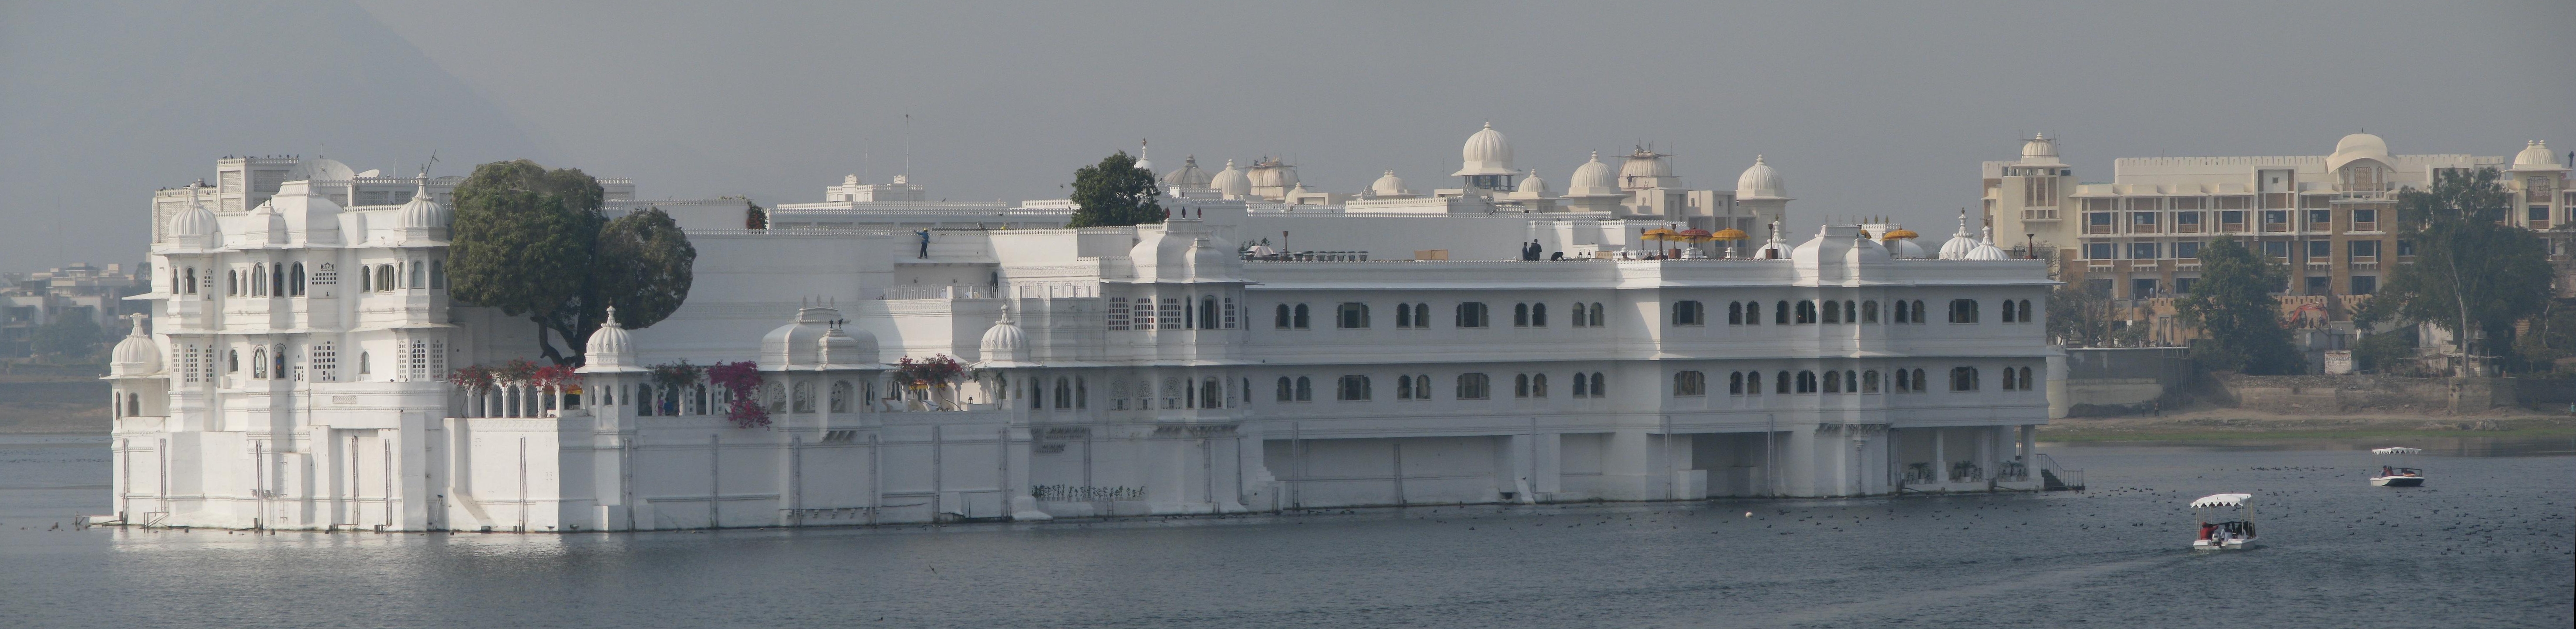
(1389, 185)
(843, 349)
(422, 211)
(1594, 179)
(1486, 153)
(194, 227)
(135, 356)
(2535, 155)
(609, 348)
(1760, 181)
(1960, 243)
(1004, 345)
(1231, 182)
(1986, 249)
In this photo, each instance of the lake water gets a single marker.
(2489, 543)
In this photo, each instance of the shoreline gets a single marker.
(2241, 425)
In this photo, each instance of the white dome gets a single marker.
(1986, 249)
(137, 355)
(1231, 181)
(422, 212)
(2356, 147)
(1188, 176)
(1904, 248)
(266, 220)
(1593, 179)
(1004, 342)
(1389, 185)
(1960, 243)
(1760, 181)
(193, 221)
(320, 169)
(1531, 187)
(1486, 153)
(2535, 155)
(794, 344)
(1777, 249)
(2040, 151)
(1644, 169)
(839, 347)
(1272, 173)
(609, 349)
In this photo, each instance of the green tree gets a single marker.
(533, 242)
(70, 337)
(2472, 270)
(1115, 192)
(2232, 304)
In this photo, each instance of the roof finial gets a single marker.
(612, 319)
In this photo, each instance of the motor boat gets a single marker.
(2394, 476)
(2229, 534)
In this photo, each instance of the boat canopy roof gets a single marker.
(2398, 451)
(2221, 500)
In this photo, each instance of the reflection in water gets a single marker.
(2488, 545)
(2476, 446)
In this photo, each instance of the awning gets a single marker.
(2221, 500)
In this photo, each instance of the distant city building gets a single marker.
(31, 300)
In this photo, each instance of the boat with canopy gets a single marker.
(2396, 476)
(2229, 534)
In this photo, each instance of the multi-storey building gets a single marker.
(2330, 216)
(298, 376)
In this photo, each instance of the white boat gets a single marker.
(2231, 534)
(2394, 476)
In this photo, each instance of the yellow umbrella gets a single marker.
(1899, 233)
(1728, 234)
(1659, 234)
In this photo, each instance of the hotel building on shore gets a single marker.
(294, 372)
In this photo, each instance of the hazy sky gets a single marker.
(1881, 108)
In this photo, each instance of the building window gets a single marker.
(1869, 311)
(1869, 381)
(1807, 382)
(259, 363)
(1596, 314)
(1413, 387)
(1538, 315)
(1833, 382)
(2186, 250)
(2405, 247)
(1353, 389)
(1688, 313)
(1963, 378)
(840, 400)
(1520, 315)
(1963, 311)
(1354, 315)
(2320, 249)
(1780, 312)
(1780, 382)
(2364, 284)
(2099, 251)
(1735, 383)
(1599, 388)
(1474, 386)
(1211, 394)
(1471, 314)
(1689, 384)
(1403, 319)
(2278, 249)
(1833, 313)
(2361, 249)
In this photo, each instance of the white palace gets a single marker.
(294, 372)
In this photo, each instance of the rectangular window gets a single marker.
(2182, 285)
(2142, 251)
(2279, 249)
(1170, 315)
(1963, 379)
(1229, 312)
(326, 362)
(2365, 219)
(1117, 318)
(2363, 250)
(2320, 220)
(2098, 251)
(2320, 249)
(1963, 311)
(2405, 247)
(1353, 315)
(2142, 222)
(1471, 314)
(1689, 312)
(2187, 249)
(2364, 284)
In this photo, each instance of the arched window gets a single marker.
(1279, 317)
(1806, 382)
(1963, 378)
(1404, 387)
(1596, 314)
(1833, 314)
(1403, 317)
(1688, 312)
(1735, 383)
(840, 398)
(1869, 311)
(295, 281)
(773, 395)
(803, 399)
(365, 365)
(1538, 315)
(1735, 313)
(1353, 388)
(2025, 379)
(1833, 382)
(1918, 311)
(259, 363)
(1806, 311)
(188, 280)
(1520, 385)
(258, 280)
(1689, 384)
(1520, 315)
(133, 405)
(277, 364)
(1305, 389)
(1869, 381)
(277, 281)
(1580, 321)
(1752, 383)
(420, 278)
(1299, 320)
(1538, 385)
(1474, 386)
(1471, 314)
(1207, 314)
(232, 361)
(1851, 311)
(1597, 389)
(1780, 313)
(437, 274)
(1901, 311)
(1081, 393)
(1581, 390)
(1211, 393)
(1354, 315)
(1286, 391)
(1063, 392)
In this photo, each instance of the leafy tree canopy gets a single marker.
(2232, 303)
(533, 242)
(2469, 266)
(1114, 192)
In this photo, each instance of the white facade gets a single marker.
(1152, 369)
